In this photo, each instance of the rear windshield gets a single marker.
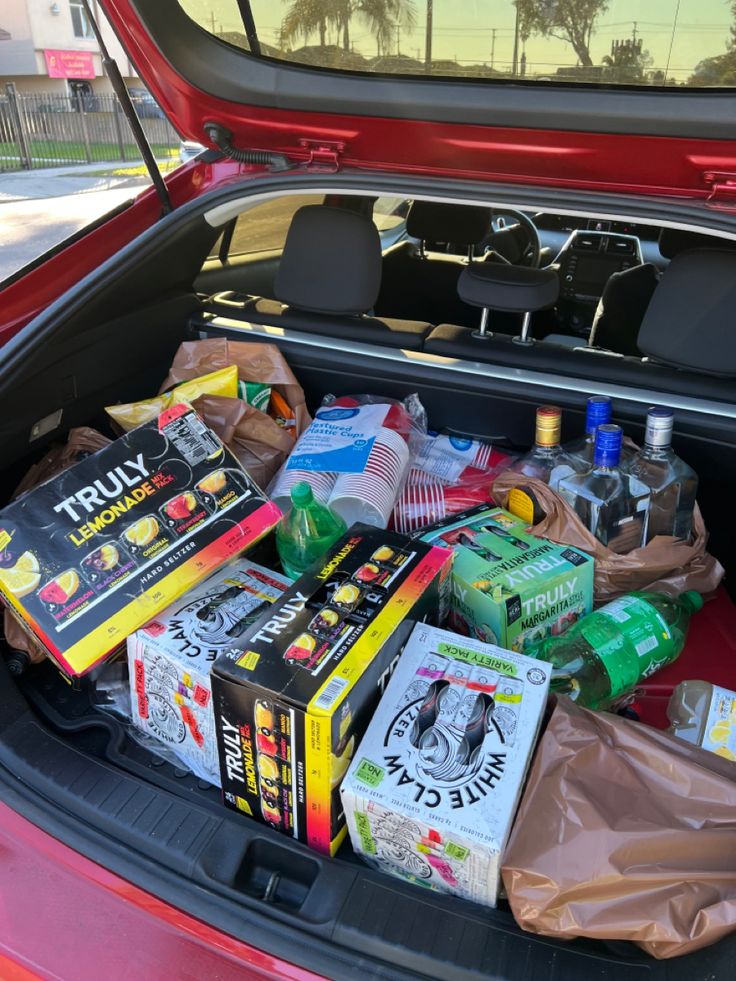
(674, 43)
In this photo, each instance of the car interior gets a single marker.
(484, 313)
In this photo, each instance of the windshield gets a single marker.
(677, 43)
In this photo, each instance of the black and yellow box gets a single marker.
(91, 555)
(290, 711)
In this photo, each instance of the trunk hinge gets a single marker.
(324, 155)
(119, 88)
(722, 189)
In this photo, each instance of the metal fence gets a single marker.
(51, 130)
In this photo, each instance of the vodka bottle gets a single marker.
(612, 505)
(672, 484)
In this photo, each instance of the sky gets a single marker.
(677, 33)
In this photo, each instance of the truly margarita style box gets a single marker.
(170, 658)
(290, 709)
(432, 790)
(96, 552)
(509, 587)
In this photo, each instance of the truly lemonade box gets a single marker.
(509, 587)
(432, 790)
(100, 549)
(290, 709)
(169, 659)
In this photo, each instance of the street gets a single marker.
(39, 209)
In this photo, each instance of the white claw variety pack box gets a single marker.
(432, 789)
(169, 659)
(93, 554)
(291, 708)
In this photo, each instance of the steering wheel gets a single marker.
(517, 244)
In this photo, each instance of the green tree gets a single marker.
(720, 69)
(304, 18)
(571, 21)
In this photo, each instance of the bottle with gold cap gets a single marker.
(547, 460)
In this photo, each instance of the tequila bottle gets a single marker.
(547, 460)
(612, 505)
(673, 485)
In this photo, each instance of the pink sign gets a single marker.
(70, 64)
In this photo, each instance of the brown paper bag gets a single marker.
(80, 443)
(256, 362)
(664, 565)
(260, 445)
(624, 833)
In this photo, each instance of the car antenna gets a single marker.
(116, 80)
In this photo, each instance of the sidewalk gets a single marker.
(53, 182)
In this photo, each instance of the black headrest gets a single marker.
(516, 289)
(460, 224)
(691, 319)
(331, 262)
(672, 241)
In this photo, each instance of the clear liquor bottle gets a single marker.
(673, 485)
(598, 411)
(611, 504)
(547, 460)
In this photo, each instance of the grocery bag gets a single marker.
(259, 443)
(256, 362)
(664, 565)
(624, 833)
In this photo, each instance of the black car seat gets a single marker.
(327, 282)
(627, 294)
(419, 280)
(689, 322)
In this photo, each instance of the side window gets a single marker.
(263, 228)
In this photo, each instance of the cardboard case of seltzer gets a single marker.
(96, 552)
(433, 787)
(290, 710)
(509, 587)
(169, 659)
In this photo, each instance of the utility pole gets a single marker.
(515, 60)
(428, 37)
(493, 45)
(398, 39)
(634, 32)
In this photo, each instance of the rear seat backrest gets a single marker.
(691, 319)
(328, 281)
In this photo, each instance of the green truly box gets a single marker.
(509, 587)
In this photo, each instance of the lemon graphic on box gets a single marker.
(23, 577)
(143, 532)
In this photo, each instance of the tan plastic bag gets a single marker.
(80, 443)
(664, 565)
(259, 443)
(256, 362)
(624, 833)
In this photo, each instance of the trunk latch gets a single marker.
(722, 190)
(324, 155)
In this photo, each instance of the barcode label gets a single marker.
(192, 438)
(645, 646)
(333, 690)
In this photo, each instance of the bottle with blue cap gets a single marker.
(673, 485)
(613, 505)
(598, 411)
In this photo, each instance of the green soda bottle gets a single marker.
(611, 650)
(306, 531)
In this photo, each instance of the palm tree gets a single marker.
(306, 17)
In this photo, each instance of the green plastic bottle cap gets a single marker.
(694, 600)
(301, 494)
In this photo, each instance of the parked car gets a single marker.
(116, 865)
(145, 104)
(189, 149)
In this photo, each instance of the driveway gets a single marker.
(40, 208)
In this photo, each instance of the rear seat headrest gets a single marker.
(514, 289)
(460, 224)
(331, 262)
(690, 321)
(672, 241)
